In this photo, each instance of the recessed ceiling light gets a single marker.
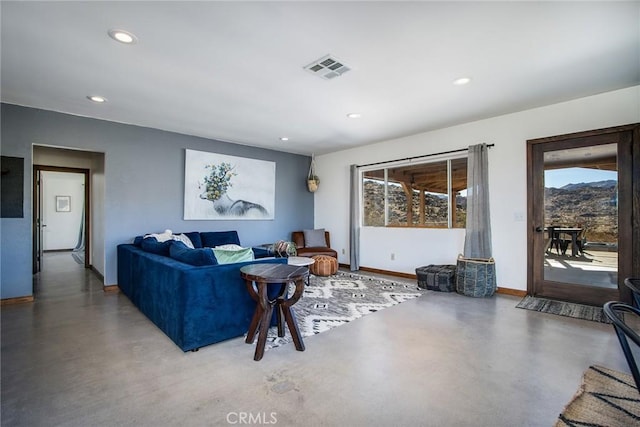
(123, 36)
(354, 115)
(461, 81)
(284, 138)
(97, 99)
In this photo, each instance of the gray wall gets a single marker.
(143, 188)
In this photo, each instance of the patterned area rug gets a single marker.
(332, 301)
(605, 398)
(561, 308)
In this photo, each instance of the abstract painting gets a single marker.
(218, 186)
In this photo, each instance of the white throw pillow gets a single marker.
(161, 237)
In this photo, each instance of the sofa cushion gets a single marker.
(314, 238)
(151, 244)
(197, 257)
(229, 254)
(211, 239)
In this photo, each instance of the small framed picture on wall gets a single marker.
(63, 203)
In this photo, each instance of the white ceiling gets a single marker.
(233, 71)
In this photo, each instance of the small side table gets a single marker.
(273, 274)
(300, 261)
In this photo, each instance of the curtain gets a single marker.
(354, 220)
(80, 243)
(477, 242)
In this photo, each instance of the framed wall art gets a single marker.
(63, 203)
(218, 186)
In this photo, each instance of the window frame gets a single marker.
(451, 204)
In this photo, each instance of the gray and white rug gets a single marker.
(561, 308)
(332, 301)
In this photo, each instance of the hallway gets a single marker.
(77, 356)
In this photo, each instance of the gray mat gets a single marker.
(561, 308)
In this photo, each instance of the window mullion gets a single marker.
(386, 197)
(449, 194)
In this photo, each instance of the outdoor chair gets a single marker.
(615, 311)
(555, 241)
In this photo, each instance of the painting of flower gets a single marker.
(219, 180)
(219, 186)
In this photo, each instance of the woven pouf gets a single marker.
(324, 266)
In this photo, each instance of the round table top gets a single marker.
(300, 261)
(273, 273)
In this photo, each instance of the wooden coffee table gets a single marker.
(281, 275)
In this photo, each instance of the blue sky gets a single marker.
(557, 178)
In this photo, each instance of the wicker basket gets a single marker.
(476, 277)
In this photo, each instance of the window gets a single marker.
(416, 195)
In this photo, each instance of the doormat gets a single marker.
(605, 398)
(561, 308)
(331, 301)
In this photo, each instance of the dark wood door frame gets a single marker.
(628, 138)
(87, 208)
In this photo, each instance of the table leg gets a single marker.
(279, 320)
(290, 318)
(253, 326)
(262, 336)
(574, 244)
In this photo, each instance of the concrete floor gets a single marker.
(79, 357)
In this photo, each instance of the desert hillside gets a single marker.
(592, 205)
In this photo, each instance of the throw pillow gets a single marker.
(314, 238)
(229, 254)
(161, 237)
(184, 239)
(151, 244)
(197, 257)
(194, 236)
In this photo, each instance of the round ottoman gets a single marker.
(324, 266)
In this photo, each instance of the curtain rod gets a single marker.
(419, 157)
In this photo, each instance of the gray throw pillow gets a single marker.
(314, 238)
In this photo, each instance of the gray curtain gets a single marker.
(477, 242)
(354, 220)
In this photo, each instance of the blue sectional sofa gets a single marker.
(194, 305)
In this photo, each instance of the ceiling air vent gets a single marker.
(327, 67)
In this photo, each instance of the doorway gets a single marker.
(61, 213)
(581, 209)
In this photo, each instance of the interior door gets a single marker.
(82, 250)
(580, 213)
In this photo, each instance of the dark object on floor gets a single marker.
(615, 312)
(437, 277)
(605, 398)
(562, 308)
(476, 277)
